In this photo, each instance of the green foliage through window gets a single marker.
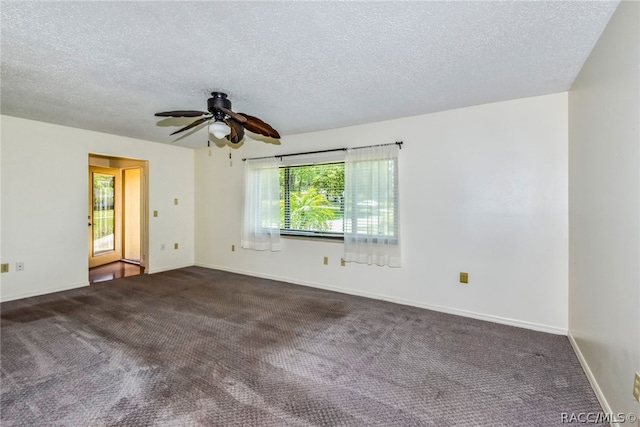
(312, 199)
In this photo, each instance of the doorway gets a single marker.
(118, 229)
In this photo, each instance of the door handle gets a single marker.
(89, 224)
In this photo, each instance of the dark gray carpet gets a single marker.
(195, 347)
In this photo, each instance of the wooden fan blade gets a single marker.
(230, 113)
(237, 131)
(182, 113)
(255, 125)
(192, 125)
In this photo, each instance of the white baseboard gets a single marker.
(161, 269)
(67, 288)
(592, 380)
(464, 313)
(41, 292)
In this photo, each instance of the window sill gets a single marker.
(337, 238)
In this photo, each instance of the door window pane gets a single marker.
(103, 217)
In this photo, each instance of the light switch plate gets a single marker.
(464, 277)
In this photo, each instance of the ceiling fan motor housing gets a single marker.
(218, 100)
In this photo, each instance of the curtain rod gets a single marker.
(398, 143)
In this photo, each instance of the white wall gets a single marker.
(604, 206)
(483, 190)
(44, 203)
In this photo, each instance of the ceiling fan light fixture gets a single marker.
(219, 129)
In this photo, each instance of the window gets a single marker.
(351, 196)
(312, 200)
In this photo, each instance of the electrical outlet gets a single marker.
(175, 201)
(342, 262)
(175, 246)
(233, 248)
(636, 387)
(326, 260)
(155, 213)
(20, 266)
(5, 268)
(464, 277)
(162, 246)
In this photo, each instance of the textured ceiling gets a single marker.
(300, 66)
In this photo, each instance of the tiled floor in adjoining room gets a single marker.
(114, 270)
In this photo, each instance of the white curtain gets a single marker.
(372, 226)
(261, 212)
